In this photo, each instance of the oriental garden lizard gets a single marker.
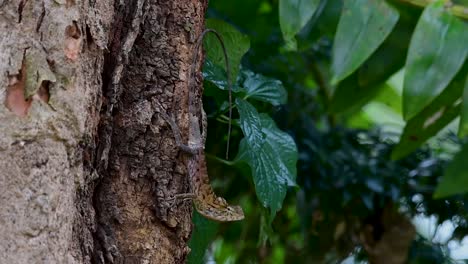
(206, 202)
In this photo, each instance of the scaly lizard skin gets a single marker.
(206, 201)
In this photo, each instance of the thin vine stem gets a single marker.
(222, 120)
(227, 162)
(228, 72)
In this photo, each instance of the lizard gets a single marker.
(206, 202)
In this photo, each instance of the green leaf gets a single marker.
(463, 128)
(293, 16)
(203, 234)
(236, 43)
(255, 86)
(263, 88)
(433, 118)
(437, 51)
(364, 84)
(391, 54)
(217, 76)
(270, 153)
(363, 26)
(250, 125)
(422, 127)
(455, 179)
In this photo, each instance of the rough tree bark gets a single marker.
(86, 163)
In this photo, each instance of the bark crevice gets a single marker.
(137, 158)
(87, 164)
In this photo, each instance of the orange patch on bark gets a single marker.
(15, 100)
(72, 41)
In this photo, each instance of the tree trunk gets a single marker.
(87, 165)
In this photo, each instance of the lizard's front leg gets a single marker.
(192, 148)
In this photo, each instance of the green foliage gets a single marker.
(371, 181)
(264, 89)
(455, 180)
(363, 26)
(235, 42)
(437, 51)
(308, 182)
(293, 16)
(217, 76)
(364, 84)
(433, 118)
(271, 154)
(203, 234)
(463, 128)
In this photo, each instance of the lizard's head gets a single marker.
(236, 213)
(222, 212)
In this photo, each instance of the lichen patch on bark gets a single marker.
(47, 104)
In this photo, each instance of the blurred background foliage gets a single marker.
(374, 95)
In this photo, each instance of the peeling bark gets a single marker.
(86, 163)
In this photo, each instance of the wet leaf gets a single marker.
(437, 51)
(455, 179)
(293, 16)
(271, 154)
(236, 43)
(363, 26)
